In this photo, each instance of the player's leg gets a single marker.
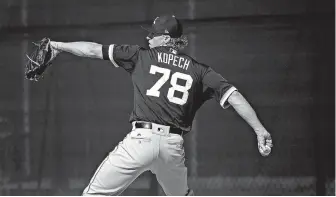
(170, 169)
(173, 179)
(121, 167)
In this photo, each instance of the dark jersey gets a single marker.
(168, 87)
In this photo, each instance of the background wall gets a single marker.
(280, 55)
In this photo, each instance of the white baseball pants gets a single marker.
(153, 149)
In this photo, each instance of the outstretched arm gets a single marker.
(82, 49)
(244, 109)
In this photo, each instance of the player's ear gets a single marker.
(166, 38)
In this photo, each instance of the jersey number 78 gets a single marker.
(154, 91)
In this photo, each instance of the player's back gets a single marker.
(167, 87)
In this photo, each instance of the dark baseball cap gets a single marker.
(166, 25)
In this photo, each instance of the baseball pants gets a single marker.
(142, 149)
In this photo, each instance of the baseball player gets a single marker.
(169, 87)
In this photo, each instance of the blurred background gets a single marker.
(280, 54)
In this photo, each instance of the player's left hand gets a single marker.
(264, 142)
(40, 59)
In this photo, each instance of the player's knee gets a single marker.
(190, 193)
(85, 192)
(95, 194)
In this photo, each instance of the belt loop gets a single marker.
(133, 125)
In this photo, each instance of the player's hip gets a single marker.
(159, 129)
(177, 121)
(166, 145)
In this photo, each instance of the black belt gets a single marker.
(148, 125)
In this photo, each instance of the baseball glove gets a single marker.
(40, 59)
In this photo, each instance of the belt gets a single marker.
(148, 125)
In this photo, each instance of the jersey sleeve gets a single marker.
(124, 56)
(222, 89)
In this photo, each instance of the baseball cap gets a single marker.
(166, 25)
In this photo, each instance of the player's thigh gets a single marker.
(113, 176)
(119, 169)
(172, 178)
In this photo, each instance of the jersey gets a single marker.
(169, 87)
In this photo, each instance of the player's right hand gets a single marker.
(264, 143)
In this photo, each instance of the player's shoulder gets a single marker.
(129, 46)
(127, 50)
(194, 61)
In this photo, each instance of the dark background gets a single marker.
(279, 54)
